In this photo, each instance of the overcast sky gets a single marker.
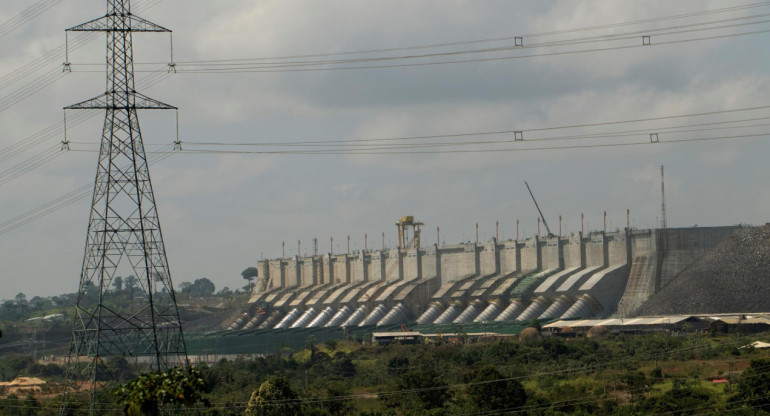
(223, 212)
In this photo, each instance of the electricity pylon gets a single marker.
(124, 234)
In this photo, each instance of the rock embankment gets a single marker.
(733, 277)
(22, 387)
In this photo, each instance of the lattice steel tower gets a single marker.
(124, 234)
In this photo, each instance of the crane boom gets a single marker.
(538, 209)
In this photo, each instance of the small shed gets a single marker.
(403, 337)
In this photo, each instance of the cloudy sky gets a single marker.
(289, 72)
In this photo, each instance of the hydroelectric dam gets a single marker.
(596, 275)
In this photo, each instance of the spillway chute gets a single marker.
(470, 313)
(356, 318)
(511, 312)
(238, 323)
(287, 320)
(339, 318)
(535, 309)
(585, 307)
(557, 308)
(305, 318)
(491, 312)
(398, 315)
(256, 320)
(322, 318)
(430, 314)
(374, 316)
(273, 318)
(449, 314)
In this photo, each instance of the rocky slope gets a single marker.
(733, 277)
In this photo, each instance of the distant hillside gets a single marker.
(733, 277)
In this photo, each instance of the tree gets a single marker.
(117, 283)
(130, 283)
(204, 287)
(427, 392)
(274, 398)
(683, 399)
(185, 288)
(488, 390)
(39, 303)
(331, 399)
(250, 273)
(29, 406)
(150, 393)
(753, 388)
(21, 302)
(535, 324)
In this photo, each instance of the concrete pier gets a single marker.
(597, 274)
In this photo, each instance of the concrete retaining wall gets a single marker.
(430, 266)
(412, 266)
(489, 262)
(458, 261)
(508, 253)
(572, 249)
(530, 256)
(551, 253)
(635, 265)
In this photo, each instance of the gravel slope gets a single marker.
(733, 277)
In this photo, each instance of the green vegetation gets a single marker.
(43, 325)
(623, 375)
(154, 393)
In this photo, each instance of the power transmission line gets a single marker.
(25, 16)
(65, 200)
(398, 150)
(523, 131)
(264, 69)
(498, 39)
(666, 31)
(279, 64)
(50, 154)
(40, 63)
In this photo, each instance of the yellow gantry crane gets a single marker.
(403, 226)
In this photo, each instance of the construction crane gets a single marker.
(403, 237)
(550, 234)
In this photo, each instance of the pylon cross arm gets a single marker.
(107, 24)
(120, 100)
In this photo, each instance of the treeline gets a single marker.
(121, 289)
(627, 375)
(25, 331)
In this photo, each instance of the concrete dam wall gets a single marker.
(580, 276)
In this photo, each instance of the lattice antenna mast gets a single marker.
(124, 234)
(663, 223)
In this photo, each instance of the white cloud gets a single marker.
(221, 212)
